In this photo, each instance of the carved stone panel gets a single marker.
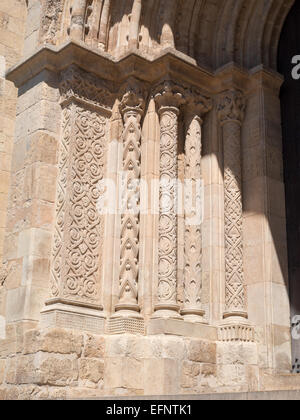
(76, 265)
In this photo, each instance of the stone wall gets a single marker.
(12, 26)
(67, 364)
(62, 364)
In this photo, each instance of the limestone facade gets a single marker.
(143, 224)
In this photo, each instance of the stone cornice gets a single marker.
(80, 86)
(266, 78)
(169, 65)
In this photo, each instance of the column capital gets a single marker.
(132, 99)
(197, 105)
(231, 106)
(169, 95)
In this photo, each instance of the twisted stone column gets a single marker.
(192, 305)
(168, 102)
(231, 113)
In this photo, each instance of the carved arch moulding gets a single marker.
(149, 27)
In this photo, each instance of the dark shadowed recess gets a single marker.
(289, 46)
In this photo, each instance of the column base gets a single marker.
(182, 328)
(194, 315)
(236, 329)
(126, 322)
(166, 311)
(235, 315)
(71, 315)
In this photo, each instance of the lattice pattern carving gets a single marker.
(126, 326)
(196, 108)
(231, 112)
(61, 202)
(240, 333)
(132, 108)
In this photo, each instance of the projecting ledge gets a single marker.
(62, 315)
(182, 328)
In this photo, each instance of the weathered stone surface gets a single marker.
(91, 370)
(58, 371)
(94, 347)
(26, 370)
(237, 354)
(2, 370)
(190, 374)
(202, 351)
(53, 341)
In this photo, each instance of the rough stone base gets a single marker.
(64, 364)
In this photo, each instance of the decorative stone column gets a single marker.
(231, 113)
(192, 306)
(168, 100)
(127, 317)
(76, 266)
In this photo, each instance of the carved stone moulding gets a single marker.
(236, 333)
(87, 89)
(126, 325)
(59, 313)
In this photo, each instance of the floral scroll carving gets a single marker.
(168, 99)
(77, 246)
(79, 230)
(231, 113)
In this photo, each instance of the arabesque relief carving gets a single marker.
(196, 108)
(231, 113)
(168, 99)
(77, 250)
(79, 85)
(76, 268)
